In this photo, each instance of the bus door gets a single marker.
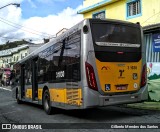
(22, 79)
(34, 79)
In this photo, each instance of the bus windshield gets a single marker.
(116, 35)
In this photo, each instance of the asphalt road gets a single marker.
(11, 112)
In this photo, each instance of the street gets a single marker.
(11, 112)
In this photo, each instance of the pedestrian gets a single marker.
(12, 76)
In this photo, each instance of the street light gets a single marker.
(15, 4)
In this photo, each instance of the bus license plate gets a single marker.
(121, 87)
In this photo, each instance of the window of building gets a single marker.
(100, 14)
(134, 8)
(25, 54)
(17, 58)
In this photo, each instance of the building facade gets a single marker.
(10, 56)
(147, 13)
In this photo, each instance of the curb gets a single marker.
(145, 105)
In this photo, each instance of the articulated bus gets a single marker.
(98, 62)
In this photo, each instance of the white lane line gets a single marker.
(7, 113)
(5, 89)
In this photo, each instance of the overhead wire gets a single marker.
(23, 26)
(150, 17)
(20, 27)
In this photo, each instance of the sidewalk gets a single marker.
(145, 105)
(6, 87)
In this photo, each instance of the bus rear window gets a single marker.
(116, 42)
(116, 35)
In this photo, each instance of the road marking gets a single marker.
(5, 89)
(7, 113)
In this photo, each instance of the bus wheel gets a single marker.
(17, 98)
(46, 102)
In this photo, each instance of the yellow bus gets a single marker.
(98, 62)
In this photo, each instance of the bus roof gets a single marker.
(70, 31)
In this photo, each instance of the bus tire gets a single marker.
(19, 101)
(47, 103)
(17, 98)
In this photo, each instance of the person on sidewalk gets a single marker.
(12, 77)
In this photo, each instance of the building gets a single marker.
(10, 56)
(147, 12)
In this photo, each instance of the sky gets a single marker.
(37, 19)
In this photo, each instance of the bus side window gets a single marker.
(42, 64)
(48, 64)
(55, 61)
(71, 57)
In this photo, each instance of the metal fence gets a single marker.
(150, 55)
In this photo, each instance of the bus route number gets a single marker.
(132, 67)
(60, 74)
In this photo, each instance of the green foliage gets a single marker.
(155, 76)
(14, 44)
(154, 90)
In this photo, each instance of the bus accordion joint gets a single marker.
(144, 76)
(91, 79)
